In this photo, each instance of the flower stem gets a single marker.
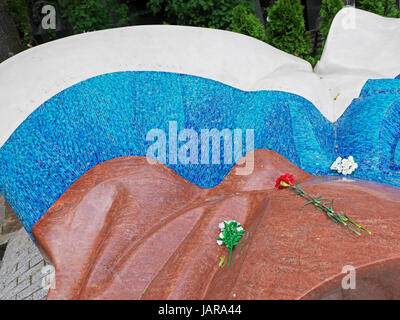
(333, 215)
(230, 254)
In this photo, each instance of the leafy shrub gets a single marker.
(201, 13)
(18, 10)
(286, 29)
(373, 6)
(247, 23)
(382, 7)
(91, 15)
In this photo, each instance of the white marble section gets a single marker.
(371, 50)
(360, 46)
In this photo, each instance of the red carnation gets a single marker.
(285, 181)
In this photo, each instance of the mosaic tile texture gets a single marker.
(108, 116)
(369, 130)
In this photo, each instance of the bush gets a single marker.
(91, 15)
(205, 13)
(18, 10)
(247, 23)
(383, 7)
(391, 9)
(286, 29)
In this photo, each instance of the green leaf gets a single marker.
(330, 217)
(307, 203)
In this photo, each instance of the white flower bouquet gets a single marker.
(231, 232)
(344, 166)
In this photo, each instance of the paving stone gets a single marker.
(22, 285)
(31, 271)
(12, 284)
(29, 290)
(35, 260)
(40, 275)
(39, 295)
(21, 271)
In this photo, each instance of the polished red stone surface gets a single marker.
(130, 230)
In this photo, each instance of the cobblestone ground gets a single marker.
(23, 271)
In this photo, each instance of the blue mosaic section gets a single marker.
(109, 116)
(396, 158)
(387, 86)
(369, 130)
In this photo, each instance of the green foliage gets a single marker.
(91, 15)
(19, 12)
(382, 7)
(247, 23)
(327, 207)
(373, 6)
(391, 9)
(201, 13)
(286, 29)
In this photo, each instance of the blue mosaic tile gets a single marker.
(108, 116)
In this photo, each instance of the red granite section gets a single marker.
(131, 230)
